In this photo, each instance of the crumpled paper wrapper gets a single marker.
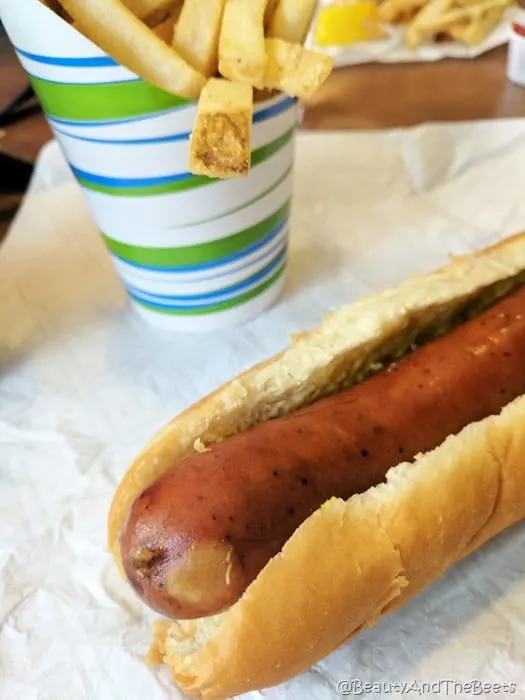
(392, 49)
(84, 384)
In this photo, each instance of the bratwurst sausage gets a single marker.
(197, 537)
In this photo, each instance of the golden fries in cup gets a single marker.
(194, 253)
(215, 50)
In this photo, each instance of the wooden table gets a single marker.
(361, 97)
(388, 96)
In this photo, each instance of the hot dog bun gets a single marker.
(384, 545)
(197, 538)
(354, 561)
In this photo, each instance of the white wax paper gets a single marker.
(392, 48)
(84, 384)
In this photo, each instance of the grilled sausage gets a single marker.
(197, 537)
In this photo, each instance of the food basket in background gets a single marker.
(398, 31)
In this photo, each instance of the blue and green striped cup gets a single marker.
(194, 254)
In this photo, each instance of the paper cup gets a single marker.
(194, 254)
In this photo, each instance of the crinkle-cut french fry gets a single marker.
(117, 31)
(220, 142)
(197, 33)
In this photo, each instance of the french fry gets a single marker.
(165, 29)
(197, 33)
(220, 142)
(291, 20)
(472, 33)
(444, 16)
(180, 45)
(396, 11)
(268, 13)
(430, 16)
(55, 7)
(52, 5)
(293, 69)
(124, 37)
(242, 53)
(149, 10)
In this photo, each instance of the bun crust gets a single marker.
(353, 562)
(384, 545)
